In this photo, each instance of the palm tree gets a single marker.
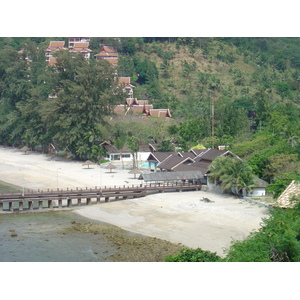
(232, 174)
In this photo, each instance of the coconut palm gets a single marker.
(232, 174)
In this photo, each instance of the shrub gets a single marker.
(191, 255)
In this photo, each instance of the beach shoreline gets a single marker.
(178, 217)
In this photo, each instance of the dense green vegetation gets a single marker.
(233, 174)
(185, 74)
(278, 240)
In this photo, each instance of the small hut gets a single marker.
(25, 149)
(88, 163)
(135, 171)
(110, 167)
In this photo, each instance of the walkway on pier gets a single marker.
(51, 199)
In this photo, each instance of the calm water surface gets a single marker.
(41, 238)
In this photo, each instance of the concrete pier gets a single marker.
(35, 199)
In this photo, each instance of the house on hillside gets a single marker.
(52, 48)
(108, 53)
(159, 113)
(76, 47)
(124, 83)
(73, 40)
(82, 48)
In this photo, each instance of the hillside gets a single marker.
(186, 75)
(225, 70)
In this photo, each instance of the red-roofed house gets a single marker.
(54, 46)
(124, 83)
(108, 53)
(81, 48)
(159, 113)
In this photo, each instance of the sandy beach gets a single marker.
(175, 217)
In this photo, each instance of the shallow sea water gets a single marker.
(41, 238)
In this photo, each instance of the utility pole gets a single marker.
(212, 121)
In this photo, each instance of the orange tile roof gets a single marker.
(113, 61)
(57, 44)
(142, 102)
(120, 109)
(124, 80)
(52, 61)
(108, 49)
(131, 101)
(79, 49)
(160, 113)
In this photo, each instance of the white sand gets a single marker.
(176, 217)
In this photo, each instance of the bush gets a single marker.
(191, 255)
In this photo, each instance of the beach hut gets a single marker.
(110, 167)
(88, 163)
(135, 171)
(25, 149)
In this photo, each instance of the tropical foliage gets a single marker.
(232, 174)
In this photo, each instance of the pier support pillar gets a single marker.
(106, 199)
(40, 204)
(98, 200)
(1, 206)
(50, 204)
(79, 202)
(88, 201)
(59, 203)
(21, 205)
(69, 202)
(30, 205)
(11, 207)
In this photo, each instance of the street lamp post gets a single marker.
(57, 177)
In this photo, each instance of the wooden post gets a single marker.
(30, 205)
(59, 202)
(79, 201)
(88, 201)
(21, 205)
(69, 202)
(50, 204)
(40, 204)
(11, 207)
(1, 206)
(106, 199)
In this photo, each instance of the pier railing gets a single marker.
(61, 198)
